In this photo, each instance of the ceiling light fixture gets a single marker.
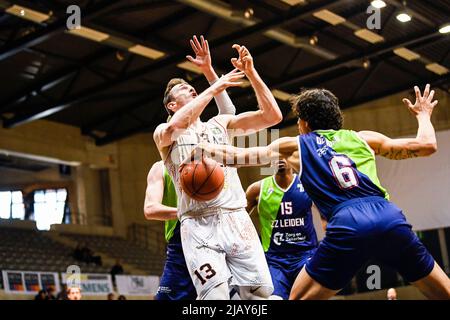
(248, 13)
(28, 14)
(146, 52)
(378, 4)
(404, 17)
(313, 40)
(445, 28)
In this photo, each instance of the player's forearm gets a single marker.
(222, 99)
(210, 74)
(426, 135)
(270, 111)
(158, 211)
(238, 157)
(187, 115)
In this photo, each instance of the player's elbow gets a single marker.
(272, 117)
(429, 148)
(150, 211)
(277, 116)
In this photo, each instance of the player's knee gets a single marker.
(252, 293)
(219, 292)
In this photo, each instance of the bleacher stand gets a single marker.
(22, 249)
(126, 251)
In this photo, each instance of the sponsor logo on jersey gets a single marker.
(300, 187)
(278, 238)
(270, 191)
(286, 223)
(322, 151)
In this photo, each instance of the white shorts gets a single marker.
(222, 245)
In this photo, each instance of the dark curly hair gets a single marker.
(319, 108)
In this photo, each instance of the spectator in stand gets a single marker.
(88, 256)
(51, 293)
(78, 253)
(115, 270)
(122, 297)
(392, 294)
(62, 295)
(110, 296)
(42, 295)
(74, 293)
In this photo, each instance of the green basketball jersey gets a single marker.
(285, 217)
(170, 200)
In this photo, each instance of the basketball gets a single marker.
(202, 181)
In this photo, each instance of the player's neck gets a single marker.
(284, 179)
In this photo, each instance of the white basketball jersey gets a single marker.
(232, 196)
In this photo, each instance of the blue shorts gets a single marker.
(365, 228)
(176, 283)
(284, 271)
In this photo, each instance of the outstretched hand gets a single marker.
(231, 79)
(202, 55)
(196, 155)
(245, 60)
(423, 105)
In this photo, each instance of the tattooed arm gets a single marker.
(424, 144)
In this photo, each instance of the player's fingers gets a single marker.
(431, 96)
(237, 76)
(234, 62)
(426, 92)
(241, 51)
(435, 102)
(207, 45)
(417, 91)
(203, 43)
(194, 47)
(407, 103)
(236, 46)
(197, 43)
(234, 84)
(190, 58)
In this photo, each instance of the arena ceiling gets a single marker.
(108, 77)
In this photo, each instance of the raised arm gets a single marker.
(252, 195)
(269, 113)
(168, 132)
(153, 207)
(424, 144)
(203, 61)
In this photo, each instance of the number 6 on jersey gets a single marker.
(343, 172)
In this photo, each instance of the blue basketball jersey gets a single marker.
(337, 166)
(286, 218)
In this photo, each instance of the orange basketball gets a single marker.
(202, 180)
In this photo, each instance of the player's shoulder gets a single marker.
(156, 170)
(160, 127)
(255, 185)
